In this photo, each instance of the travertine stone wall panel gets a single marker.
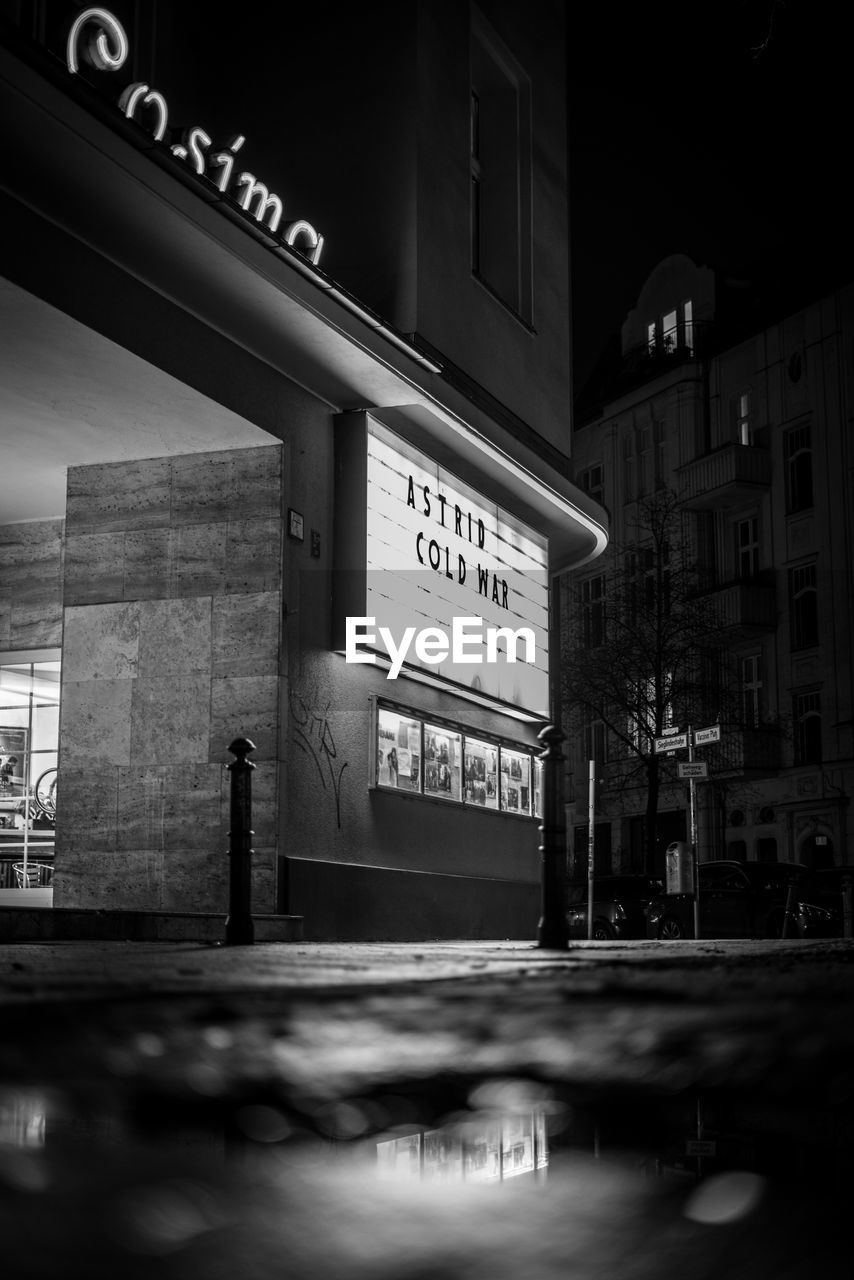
(173, 605)
(31, 585)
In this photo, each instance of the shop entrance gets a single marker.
(29, 740)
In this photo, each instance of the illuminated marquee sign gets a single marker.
(97, 37)
(438, 551)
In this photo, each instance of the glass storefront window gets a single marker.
(442, 762)
(398, 751)
(481, 759)
(515, 781)
(29, 739)
(446, 762)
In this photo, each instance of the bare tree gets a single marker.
(645, 651)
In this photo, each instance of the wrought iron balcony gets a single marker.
(727, 475)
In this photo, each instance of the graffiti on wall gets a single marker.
(311, 733)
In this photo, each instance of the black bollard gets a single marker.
(846, 906)
(552, 930)
(239, 929)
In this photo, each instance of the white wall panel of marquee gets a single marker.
(438, 550)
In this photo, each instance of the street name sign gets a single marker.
(673, 742)
(712, 734)
(692, 769)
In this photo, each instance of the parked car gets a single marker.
(619, 906)
(827, 886)
(746, 900)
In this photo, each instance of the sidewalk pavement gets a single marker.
(92, 970)
(180, 1110)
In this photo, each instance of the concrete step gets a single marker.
(61, 924)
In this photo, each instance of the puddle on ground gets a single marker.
(515, 1178)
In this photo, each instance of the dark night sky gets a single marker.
(720, 130)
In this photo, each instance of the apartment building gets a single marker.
(751, 427)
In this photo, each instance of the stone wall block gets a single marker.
(170, 720)
(264, 880)
(147, 564)
(35, 627)
(118, 495)
(101, 642)
(195, 880)
(245, 707)
(140, 807)
(31, 561)
(245, 634)
(254, 558)
(100, 713)
(199, 564)
(31, 584)
(201, 488)
(242, 483)
(87, 808)
(257, 483)
(94, 568)
(129, 880)
(174, 637)
(193, 809)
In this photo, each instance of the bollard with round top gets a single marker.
(239, 929)
(552, 930)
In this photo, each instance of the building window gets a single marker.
(648, 583)
(797, 445)
(743, 418)
(747, 548)
(751, 689)
(629, 467)
(644, 698)
(672, 331)
(592, 483)
(29, 738)
(593, 608)
(659, 445)
(500, 163)
(807, 718)
(644, 451)
(803, 606)
(688, 314)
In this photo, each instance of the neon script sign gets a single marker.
(98, 37)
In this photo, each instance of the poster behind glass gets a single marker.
(481, 773)
(13, 762)
(398, 751)
(515, 781)
(443, 761)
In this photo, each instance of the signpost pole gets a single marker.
(591, 842)
(692, 810)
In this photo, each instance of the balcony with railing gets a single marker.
(749, 606)
(730, 474)
(749, 752)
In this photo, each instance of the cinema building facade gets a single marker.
(230, 483)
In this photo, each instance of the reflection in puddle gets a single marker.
(383, 1188)
(471, 1151)
(23, 1116)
